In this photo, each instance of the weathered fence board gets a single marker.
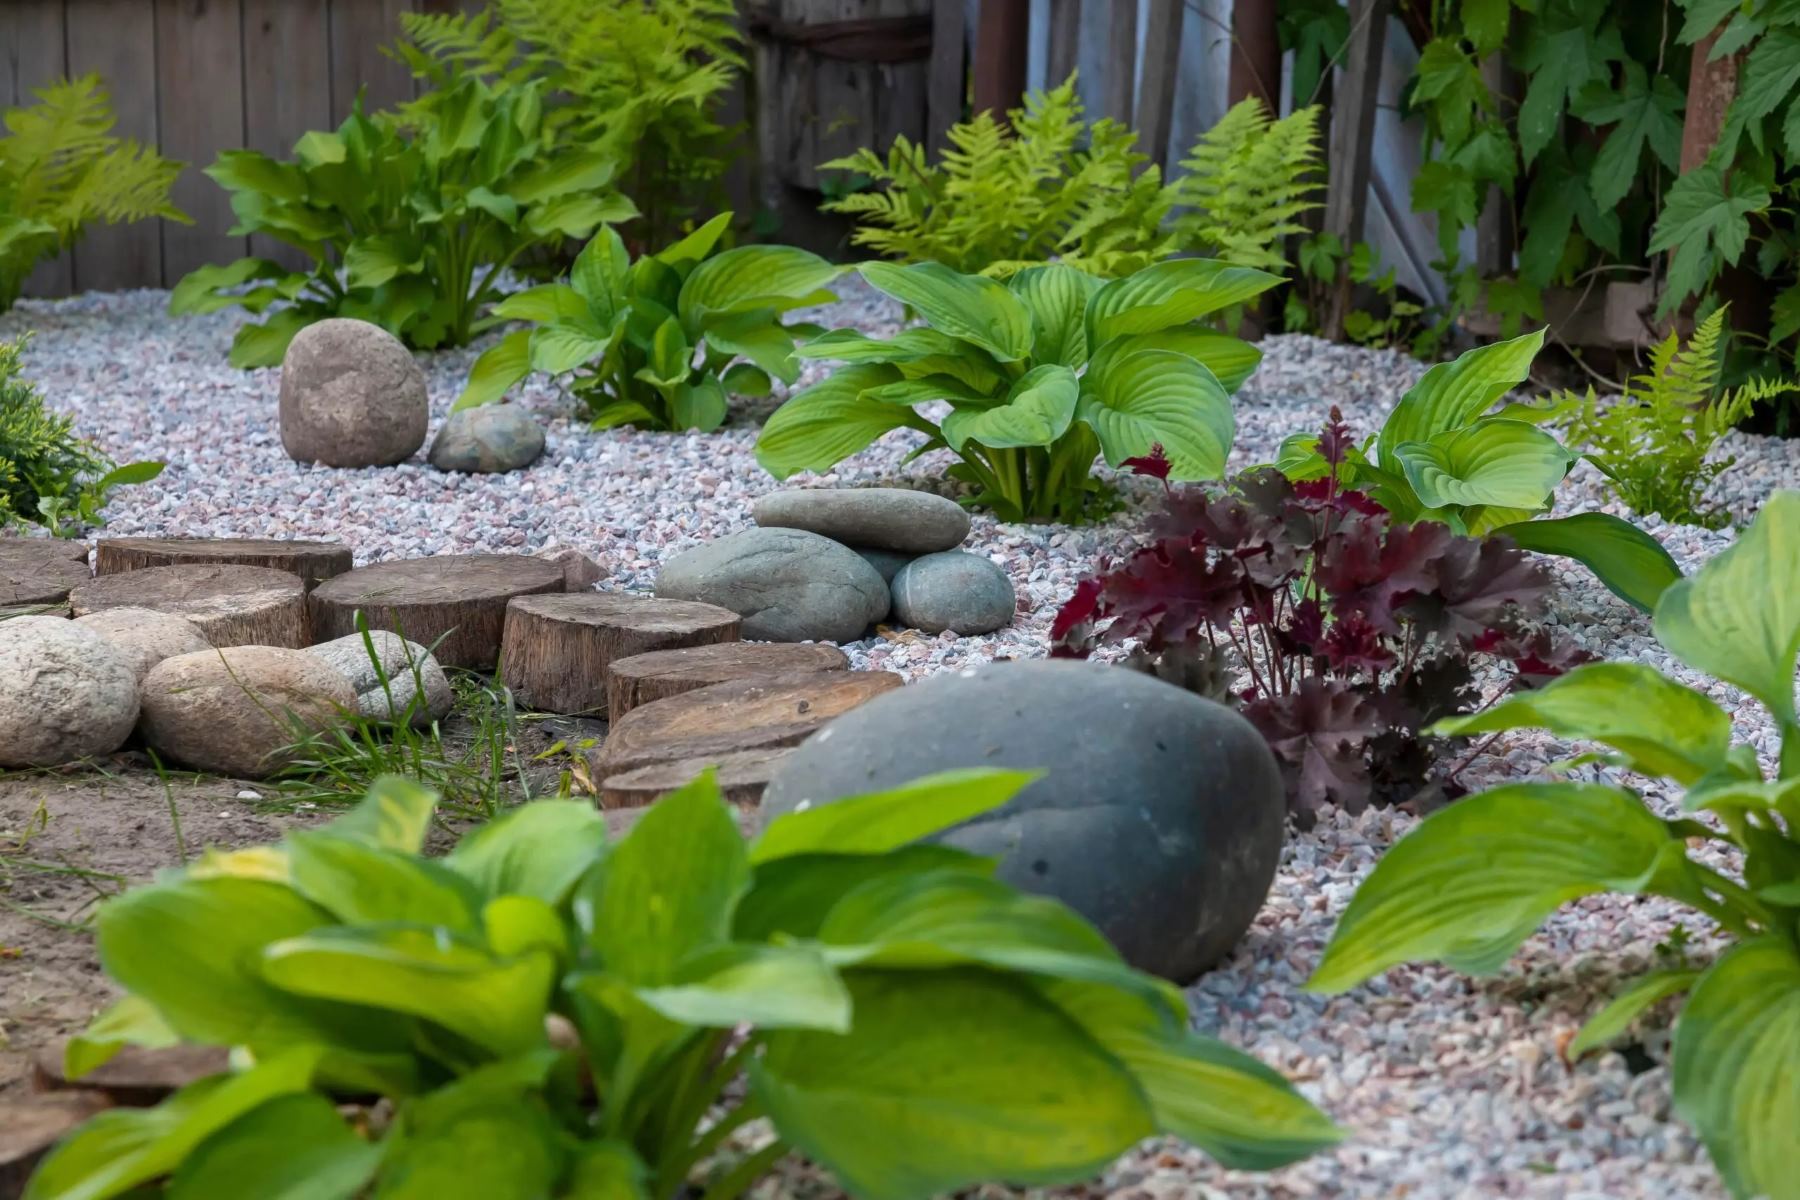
(200, 99)
(109, 38)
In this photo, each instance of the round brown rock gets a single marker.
(65, 693)
(453, 603)
(351, 396)
(232, 606)
(233, 711)
(145, 637)
(557, 648)
(660, 674)
(40, 571)
(313, 562)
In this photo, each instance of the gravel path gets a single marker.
(1450, 1087)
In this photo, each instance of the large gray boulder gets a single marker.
(787, 584)
(65, 693)
(488, 440)
(351, 396)
(145, 636)
(879, 518)
(410, 670)
(953, 590)
(235, 711)
(1160, 819)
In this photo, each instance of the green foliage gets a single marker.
(1246, 184)
(1042, 373)
(659, 342)
(49, 476)
(61, 170)
(551, 1015)
(1655, 442)
(639, 83)
(1473, 881)
(1444, 455)
(409, 226)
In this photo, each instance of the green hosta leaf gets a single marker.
(1664, 728)
(1170, 293)
(1641, 993)
(585, 171)
(206, 289)
(1159, 397)
(1036, 411)
(497, 371)
(792, 896)
(771, 987)
(1232, 360)
(822, 425)
(1493, 461)
(358, 883)
(750, 277)
(373, 261)
(131, 474)
(1725, 792)
(975, 309)
(265, 345)
(909, 345)
(1737, 1065)
(701, 405)
(294, 1147)
(608, 1170)
(759, 337)
(486, 1134)
(745, 379)
(1475, 879)
(683, 254)
(600, 272)
(1631, 563)
(1057, 297)
(395, 815)
(927, 388)
(576, 216)
(1738, 617)
(127, 1021)
(544, 304)
(1453, 394)
(250, 171)
(997, 1084)
(558, 348)
(539, 850)
(884, 821)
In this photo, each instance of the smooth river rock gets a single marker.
(407, 666)
(488, 440)
(65, 693)
(953, 590)
(1160, 819)
(879, 518)
(787, 584)
(233, 711)
(145, 636)
(351, 396)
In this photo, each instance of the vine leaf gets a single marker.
(1558, 200)
(1566, 50)
(1449, 78)
(1771, 75)
(1702, 219)
(1642, 112)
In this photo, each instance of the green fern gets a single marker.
(1050, 186)
(1654, 443)
(61, 169)
(1247, 182)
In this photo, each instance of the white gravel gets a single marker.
(1450, 1087)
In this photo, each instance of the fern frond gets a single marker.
(1248, 180)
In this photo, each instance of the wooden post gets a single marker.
(1256, 54)
(948, 82)
(1352, 141)
(1712, 86)
(1001, 42)
(1162, 62)
(1494, 232)
(1120, 78)
(1065, 38)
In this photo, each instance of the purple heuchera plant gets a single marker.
(1346, 634)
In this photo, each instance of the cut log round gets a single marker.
(742, 778)
(660, 674)
(743, 714)
(30, 1125)
(458, 598)
(557, 648)
(313, 562)
(36, 571)
(138, 1076)
(233, 606)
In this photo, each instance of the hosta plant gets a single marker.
(411, 227)
(1472, 882)
(540, 1014)
(659, 342)
(1339, 632)
(1041, 373)
(1444, 455)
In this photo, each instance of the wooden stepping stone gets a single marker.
(556, 648)
(36, 571)
(742, 714)
(31, 1125)
(459, 598)
(233, 606)
(664, 673)
(742, 778)
(137, 1076)
(313, 562)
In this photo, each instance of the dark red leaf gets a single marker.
(1154, 464)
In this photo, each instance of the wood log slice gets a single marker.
(742, 714)
(137, 1076)
(556, 648)
(660, 674)
(313, 562)
(742, 778)
(453, 603)
(233, 606)
(30, 1125)
(36, 571)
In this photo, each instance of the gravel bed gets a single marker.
(1450, 1087)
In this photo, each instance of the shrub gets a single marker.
(49, 476)
(61, 170)
(407, 226)
(549, 1015)
(1442, 455)
(654, 342)
(1654, 443)
(1340, 633)
(1472, 882)
(1042, 373)
(638, 82)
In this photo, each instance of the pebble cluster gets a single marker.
(1449, 1087)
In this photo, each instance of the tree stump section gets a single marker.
(557, 648)
(743, 714)
(137, 1076)
(742, 778)
(30, 1125)
(313, 562)
(453, 603)
(40, 571)
(233, 606)
(660, 674)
